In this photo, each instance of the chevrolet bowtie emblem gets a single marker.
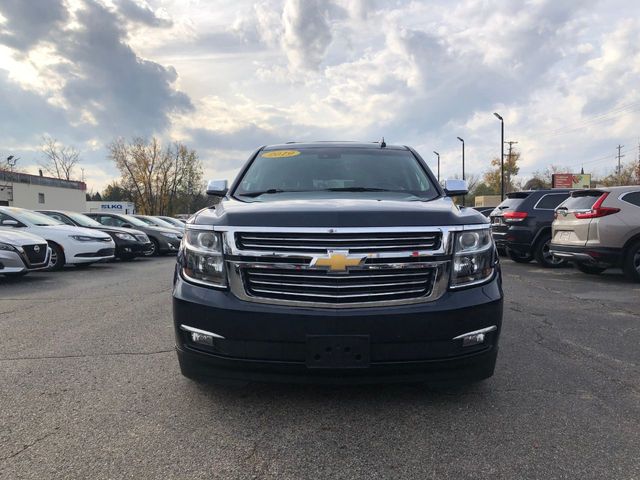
(338, 260)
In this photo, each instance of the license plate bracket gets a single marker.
(338, 351)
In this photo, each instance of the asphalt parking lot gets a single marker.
(90, 388)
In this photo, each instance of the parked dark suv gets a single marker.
(521, 225)
(337, 262)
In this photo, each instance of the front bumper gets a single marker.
(14, 262)
(128, 249)
(518, 239)
(406, 343)
(167, 245)
(586, 254)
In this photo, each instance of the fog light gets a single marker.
(476, 337)
(201, 336)
(473, 340)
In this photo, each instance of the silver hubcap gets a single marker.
(54, 258)
(548, 257)
(636, 261)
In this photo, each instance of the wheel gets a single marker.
(589, 269)
(57, 257)
(154, 250)
(519, 257)
(631, 262)
(543, 255)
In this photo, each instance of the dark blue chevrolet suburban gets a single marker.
(337, 263)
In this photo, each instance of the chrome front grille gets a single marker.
(319, 243)
(356, 286)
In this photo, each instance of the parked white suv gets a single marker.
(600, 228)
(70, 245)
(21, 253)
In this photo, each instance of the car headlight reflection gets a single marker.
(473, 258)
(126, 236)
(202, 258)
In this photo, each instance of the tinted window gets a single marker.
(633, 198)
(512, 202)
(581, 200)
(551, 201)
(333, 168)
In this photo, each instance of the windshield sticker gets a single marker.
(281, 153)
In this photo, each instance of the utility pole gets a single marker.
(620, 164)
(511, 144)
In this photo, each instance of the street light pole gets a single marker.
(463, 178)
(438, 165)
(501, 156)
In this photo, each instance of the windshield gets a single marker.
(162, 223)
(82, 220)
(34, 218)
(134, 221)
(319, 169)
(146, 220)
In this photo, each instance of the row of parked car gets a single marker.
(50, 239)
(595, 229)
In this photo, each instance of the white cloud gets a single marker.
(228, 76)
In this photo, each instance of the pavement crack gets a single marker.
(110, 354)
(27, 446)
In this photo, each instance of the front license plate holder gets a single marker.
(338, 351)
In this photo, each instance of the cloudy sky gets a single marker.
(225, 77)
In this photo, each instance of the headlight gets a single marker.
(126, 236)
(84, 238)
(175, 236)
(202, 260)
(6, 246)
(473, 258)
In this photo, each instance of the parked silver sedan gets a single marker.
(21, 253)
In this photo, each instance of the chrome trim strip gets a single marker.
(373, 230)
(352, 295)
(337, 287)
(476, 332)
(194, 226)
(318, 239)
(187, 328)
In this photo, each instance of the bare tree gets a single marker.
(159, 180)
(60, 160)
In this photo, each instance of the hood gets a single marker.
(69, 230)
(164, 230)
(339, 212)
(109, 229)
(13, 237)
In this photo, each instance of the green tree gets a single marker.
(492, 177)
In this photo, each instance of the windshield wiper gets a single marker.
(356, 189)
(263, 192)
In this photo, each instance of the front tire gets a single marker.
(631, 263)
(154, 251)
(543, 255)
(589, 269)
(57, 257)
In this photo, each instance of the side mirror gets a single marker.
(10, 223)
(127, 225)
(217, 188)
(455, 188)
